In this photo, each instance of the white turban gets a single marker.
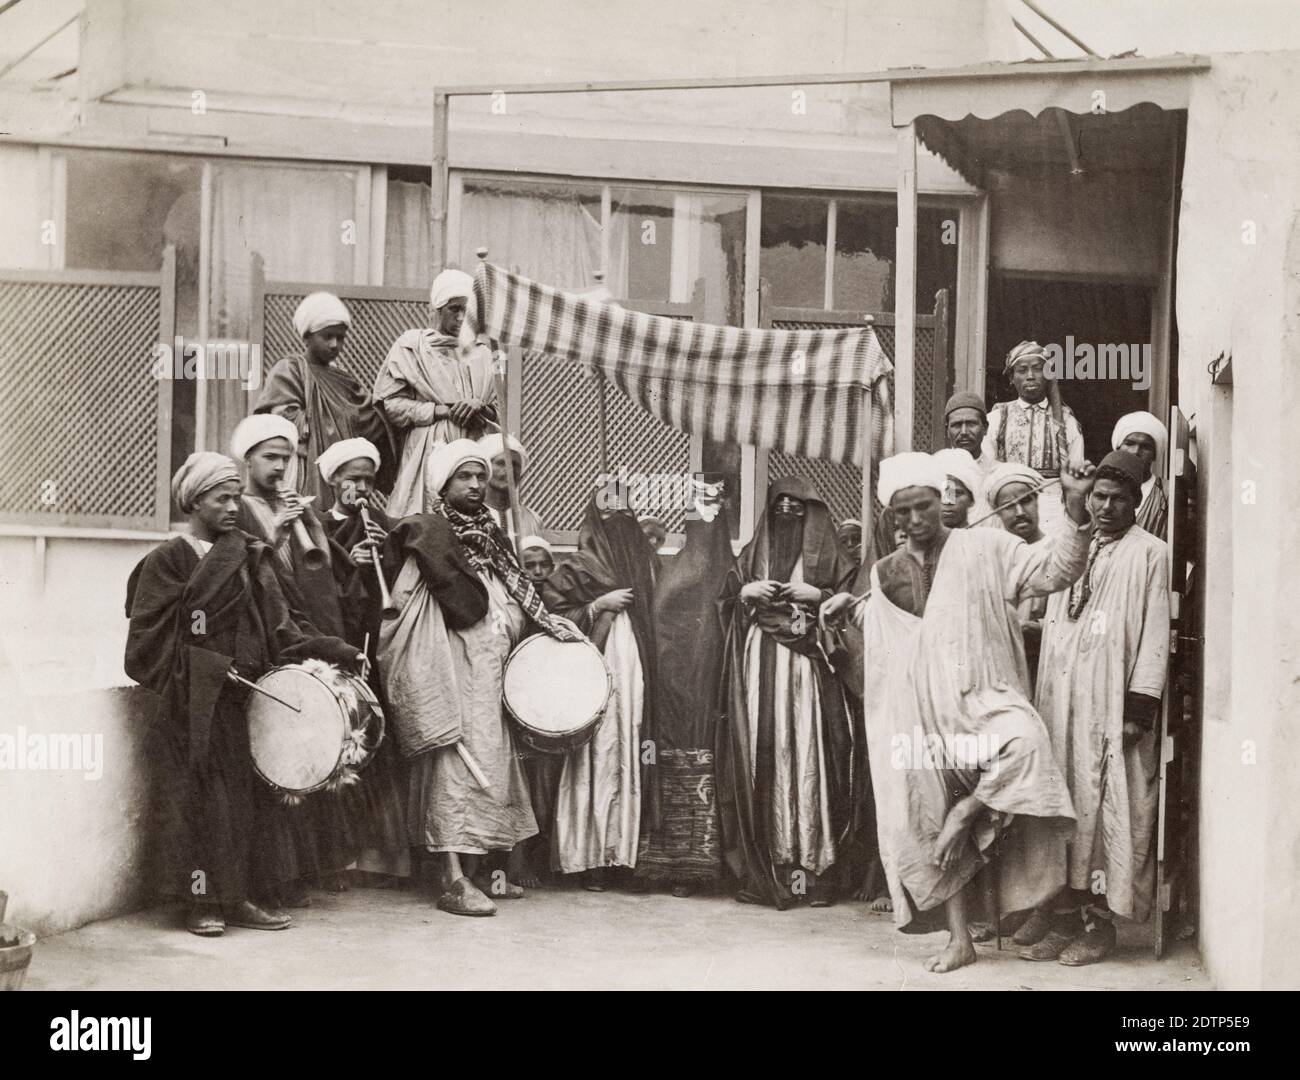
(448, 286)
(257, 429)
(958, 464)
(201, 472)
(1145, 424)
(1008, 472)
(319, 310)
(911, 469)
(494, 446)
(343, 451)
(535, 542)
(445, 458)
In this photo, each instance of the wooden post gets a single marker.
(167, 335)
(602, 412)
(867, 511)
(438, 181)
(512, 523)
(905, 291)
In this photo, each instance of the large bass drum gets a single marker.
(334, 733)
(556, 692)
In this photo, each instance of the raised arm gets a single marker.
(1056, 562)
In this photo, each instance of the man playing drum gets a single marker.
(200, 604)
(463, 603)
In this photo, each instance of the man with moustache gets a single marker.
(1141, 434)
(945, 666)
(463, 604)
(376, 804)
(316, 837)
(966, 422)
(1102, 675)
(1010, 490)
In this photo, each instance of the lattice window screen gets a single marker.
(81, 430)
(840, 484)
(376, 324)
(559, 418)
(558, 413)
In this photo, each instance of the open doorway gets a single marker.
(1098, 315)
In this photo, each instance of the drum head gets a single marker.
(296, 752)
(556, 688)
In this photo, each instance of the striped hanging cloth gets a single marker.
(797, 391)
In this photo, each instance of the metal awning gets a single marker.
(1041, 116)
(1036, 118)
(1032, 86)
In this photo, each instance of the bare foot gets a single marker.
(519, 868)
(948, 845)
(882, 904)
(959, 953)
(498, 886)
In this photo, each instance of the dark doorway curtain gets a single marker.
(1045, 310)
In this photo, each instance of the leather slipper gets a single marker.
(1051, 947)
(463, 898)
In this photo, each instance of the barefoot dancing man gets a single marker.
(955, 746)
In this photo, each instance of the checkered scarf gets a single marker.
(485, 547)
(1081, 590)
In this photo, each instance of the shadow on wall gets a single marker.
(78, 800)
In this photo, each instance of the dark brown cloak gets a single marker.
(745, 806)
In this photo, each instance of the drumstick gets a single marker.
(473, 767)
(266, 693)
(1011, 502)
(365, 657)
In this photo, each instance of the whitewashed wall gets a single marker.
(1242, 183)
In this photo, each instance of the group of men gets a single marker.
(764, 710)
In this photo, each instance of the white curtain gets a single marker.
(303, 223)
(549, 236)
(406, 244)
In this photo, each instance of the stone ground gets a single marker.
(373, 939)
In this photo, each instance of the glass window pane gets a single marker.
(936, 256)
(864, 256)
(794, 249)
(548, 231)
(641, 244)
(406, 232)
